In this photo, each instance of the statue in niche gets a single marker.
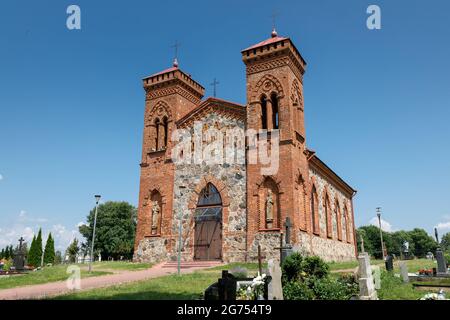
(269, 209)
(156, 209)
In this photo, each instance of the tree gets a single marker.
(49, 252)
(58, 257)
(115, 230)
(372, 242)
(423, 242)
(32, 254)
(72, 250)
(445, 242)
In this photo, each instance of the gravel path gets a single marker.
(57, 288)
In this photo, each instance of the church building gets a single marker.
(224, 211)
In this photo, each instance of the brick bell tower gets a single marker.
(170, 94)
(274, 70)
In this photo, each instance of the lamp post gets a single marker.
(97, 199)
(381, 232)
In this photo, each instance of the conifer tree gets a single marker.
(49, 252)
(32, 254)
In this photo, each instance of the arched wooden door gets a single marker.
(208, 225)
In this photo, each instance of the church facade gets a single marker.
(222, 210)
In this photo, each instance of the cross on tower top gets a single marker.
(273, 16)
(214, 84)
(176, 45)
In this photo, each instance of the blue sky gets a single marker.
(71, 102)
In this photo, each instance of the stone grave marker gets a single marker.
(365, 278)
(389, 263)
(275, 289)
(19, 257)
(404, 271)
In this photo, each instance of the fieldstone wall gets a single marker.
(229, 178)
(327, 249)
(151, 250)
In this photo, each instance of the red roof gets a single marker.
(164, 71)
(265, 42)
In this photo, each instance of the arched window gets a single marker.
(326, 206)
(302, 203)
(263, 112)
(157, 122)
(209, 202)
(166, 130)
(347, 225)
(337, 216)
(275, 118)
(314, 211)
(208, 225)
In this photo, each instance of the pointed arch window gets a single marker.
(166, 130)
(338, 217)
(209, 205)
(275, 116)
(157, 122)
(328, 222)
(263, 112)
(314, 211)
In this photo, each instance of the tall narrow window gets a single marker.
(157, 134)
(166, 130)
(264, 112)
(314, 222)
(327, 216)
(275, 118)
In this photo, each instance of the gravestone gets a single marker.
(389, 263)
(19, 257)
(286, 249)
(441, 263)
(404, 271)
(376, 272)
(275, 289)
(365, 278)
(440, 258)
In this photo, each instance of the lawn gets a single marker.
(120, 265)
(173, 287)
(47, 274)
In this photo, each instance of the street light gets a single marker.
(381, 232)
(97, 199)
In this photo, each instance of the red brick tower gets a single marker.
(170, 94)
(275, 71)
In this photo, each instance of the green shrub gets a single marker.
(315, 267)
(292, 267)
(297, 290)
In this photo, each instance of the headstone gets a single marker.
(275, 289)
(19, 257)
(389, 263)
(366, 284)
(404, 271)
(441, 263)
(376, 272)
(227, 286)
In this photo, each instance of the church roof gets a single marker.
(213, 104)
(266, 42)
(326, 171)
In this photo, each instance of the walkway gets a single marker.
(57, 288)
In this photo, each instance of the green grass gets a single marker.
(393, 288)
(47, 274)
(173, 287)
(351, 264)
(416, 264)
(121, 265)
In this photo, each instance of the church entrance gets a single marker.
(208, 225)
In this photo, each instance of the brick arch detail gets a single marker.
(160, 110)
(221, 187)
(316, 227)
(273, 85)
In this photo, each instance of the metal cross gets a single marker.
(214, 84)
(274, 16)
(176, 45)
(288, 226)
(21, 240)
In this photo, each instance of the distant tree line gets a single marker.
(420, 242)
(36, 255)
